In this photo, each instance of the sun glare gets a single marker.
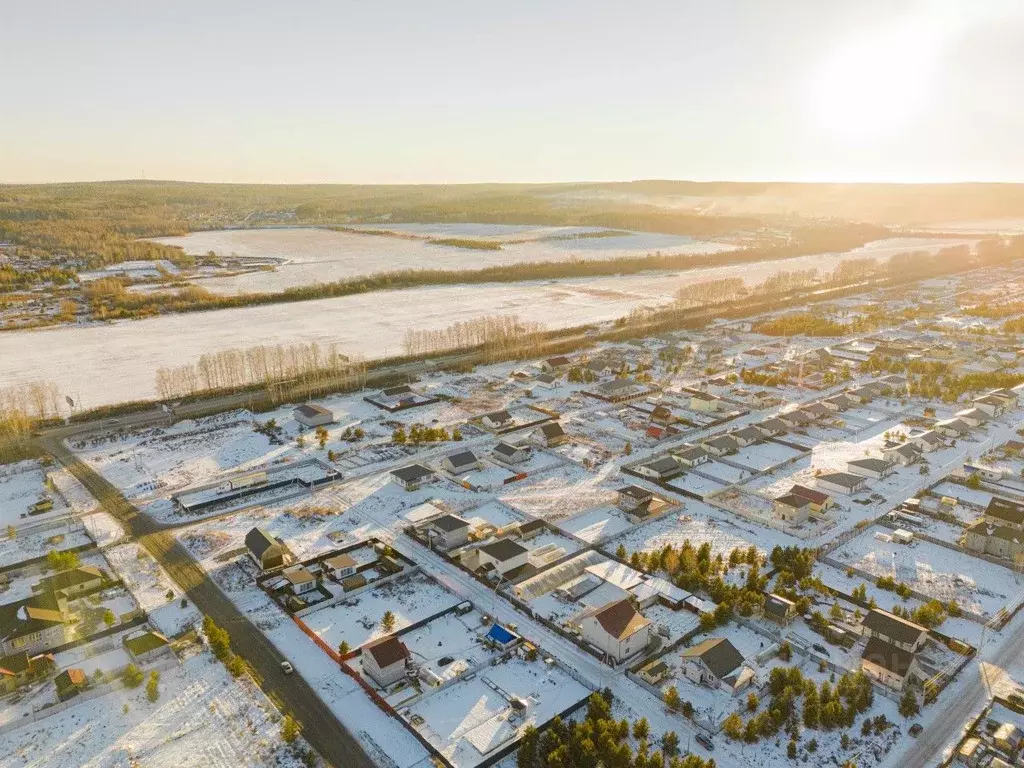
(875, 85)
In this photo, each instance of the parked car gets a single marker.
(287, 668)
(915, 729)
(705, 741)
(820, 648)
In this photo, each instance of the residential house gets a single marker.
(300, 580)
(990, 404)
(385, 659)
(820, 502)
(411, 477)
(266, 551)
(70, 683)
(311, 415)
(35, 624)
(929, 441)
(717, 663)
(875, 469)
(546, 381)
(772, 427)
(816, 410)
(617, 629)
(555, 364)
(889, 664)
(797, 418)
(654, 672)
(898, 631)
(501, 556)
(690, 455)
(903, 454)
(18, 669)
(972, 417)
(531, 529)
(341, 566)
(953, 428)
(841, 482)
(147, 646)
(552, 434)
(448, 531)
(1004, 512)
(632, 496)
(508, 453)
(747, 436)
(995, 540)
(664, 468)
(792, 508)
(705, 403)
(1009, 397)
(721, 445)
(1008, 737)
(779, 609)
(460, 462)
(860, 394)
(620, 390)
(76, 581)
(497, 420)
(839, 403)
(661, 414)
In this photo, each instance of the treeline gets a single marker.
(499, 336)
(802, 324)
(21, 409)
(466, 242)
(234, 369)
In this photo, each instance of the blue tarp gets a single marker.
(500, 635)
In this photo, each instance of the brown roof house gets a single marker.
(617, 629)
(75, 581)
(147, 646)
(70, 683)
(20, 668)
(899, 632)
(888, 664)
(264, 549)
(34, 625)
(385, 659)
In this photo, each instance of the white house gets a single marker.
(503, 555)
(904, 454)
(690, 455)
(875, 469)
(311, 415)
(721, 445)
(497, 420)
(717, 664)
(300, 580)
(704, 403)
(449, 531)
(841, 482)
(792, 508)
(384, 660)
(929, 441)
(953, 428)
(510, 454)
(974, 417)
(664, 468)
(411, 477)
(617, 629)
(461, 462)
(341, 566)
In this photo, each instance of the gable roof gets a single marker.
(74, 577)
(690, 453)
(888, 656)
(662, 465)
(552, 429)
(885, 623)
(503, 549)
(258, 541)
(506, 449)
(844, 479)
(620, 618)
(400, 389)
(411, 473)
(813, 496)
(635, 492)
(793, 500)
(720, 656)
(462, 458)
(498, 416)
(1004, 509)
(449, 523)
(874, 465)
(386, 651)
(312, 409)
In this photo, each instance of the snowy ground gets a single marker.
(203, 717)
(598, 525)
(935, 571)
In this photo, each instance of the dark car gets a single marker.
(915, 729)
(705, 741)
(820, 648)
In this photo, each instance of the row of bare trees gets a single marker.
(307, 364)
(711, 292)
(500, 336)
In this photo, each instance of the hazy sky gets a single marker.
(443, 91)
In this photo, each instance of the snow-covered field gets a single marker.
(20, 487)
(597, 525)
(115, 362)
(320, 255)
(939, 573)
(698, 523)
(202, 718)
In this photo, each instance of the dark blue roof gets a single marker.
(500, 635)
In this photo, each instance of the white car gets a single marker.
(287, 668)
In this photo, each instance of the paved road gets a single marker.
(319, 726)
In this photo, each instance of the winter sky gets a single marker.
(532, 90)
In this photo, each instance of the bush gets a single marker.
(132, 676)
(59, 560)
(289, 729)
(236, 666)
(153, 686)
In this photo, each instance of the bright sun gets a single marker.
(873, 87)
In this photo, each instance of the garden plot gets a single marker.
(493, 513)
(154, 592)
(375, 499)
(22, 485)
(764, 456)
(190, 452)
(449, 646)
(699, 524)
(359, 619)
(934, 571)
(672, 625)
(726, 474)
(307, 529)
(566, 492)
(28, 546)
(471, 719)
(597, 525)
(203, 717)
(701, 487)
